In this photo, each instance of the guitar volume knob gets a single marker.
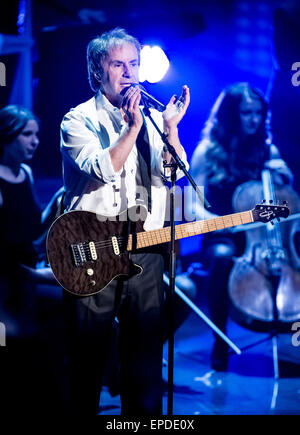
(90, 272)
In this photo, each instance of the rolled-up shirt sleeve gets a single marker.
(83, 144)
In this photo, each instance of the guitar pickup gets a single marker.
(83, 252)
(115, 245)
(92, 251)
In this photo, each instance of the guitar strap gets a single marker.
(144, 158)
(60, 208)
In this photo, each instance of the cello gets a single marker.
(264, 283)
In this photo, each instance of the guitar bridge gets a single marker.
(83, 252)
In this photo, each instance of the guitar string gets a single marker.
(108, 243)
(120, 239)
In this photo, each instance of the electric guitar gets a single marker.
(86, 251)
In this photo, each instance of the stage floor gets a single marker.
(247, 387)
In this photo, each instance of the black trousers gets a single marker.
(137, 303)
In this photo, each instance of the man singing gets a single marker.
(113, 159)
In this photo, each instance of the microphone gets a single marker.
(150, 101)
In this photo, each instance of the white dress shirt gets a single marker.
(91, 183)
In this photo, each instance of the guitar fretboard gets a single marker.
(163, 235)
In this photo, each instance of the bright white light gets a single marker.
(154, 64)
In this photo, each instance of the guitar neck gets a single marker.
(163, 235)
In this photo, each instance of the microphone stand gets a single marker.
(178, 163)
(170, 295)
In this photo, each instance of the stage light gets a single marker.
(154, 64)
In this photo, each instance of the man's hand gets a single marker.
(173, 114)
(132, 115)
(176, 109)
(131, 109)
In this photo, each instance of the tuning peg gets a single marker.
(271, 201)
(278, 219)
(272, 222)
(263, 201)
(284, 202)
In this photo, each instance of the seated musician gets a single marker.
(234, 148)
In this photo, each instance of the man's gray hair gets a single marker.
(98, 49)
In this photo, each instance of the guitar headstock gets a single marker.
(267, 212)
